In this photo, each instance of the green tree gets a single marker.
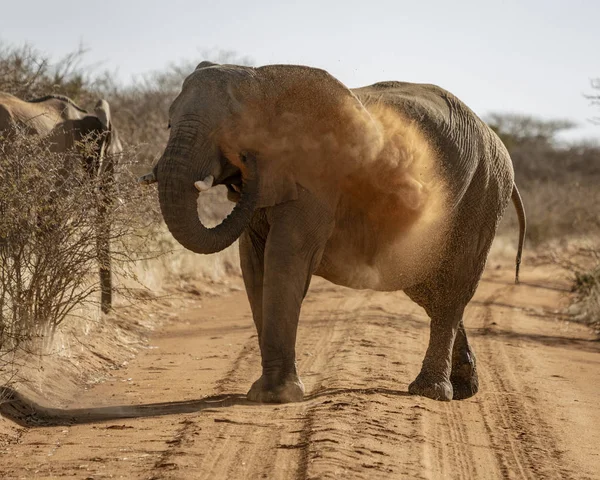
(516, 129)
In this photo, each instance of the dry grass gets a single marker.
(582, 261)
(556, 209)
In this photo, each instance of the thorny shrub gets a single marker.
(586, 286)
(53, 213)
(48, 235)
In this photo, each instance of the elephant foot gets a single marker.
(427, 387)
(464, 378)
(265, 391)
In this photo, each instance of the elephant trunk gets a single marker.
(176, 175)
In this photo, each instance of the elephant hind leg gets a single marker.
(448, 371)
(434, 380)
(464, 379)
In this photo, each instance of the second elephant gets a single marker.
(63, 124)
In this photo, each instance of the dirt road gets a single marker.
(537, 414)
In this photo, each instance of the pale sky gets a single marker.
(520, 56)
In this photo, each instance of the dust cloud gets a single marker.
(311, 129)
(370, 164)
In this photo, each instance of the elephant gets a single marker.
(394, 186)
(63, 124)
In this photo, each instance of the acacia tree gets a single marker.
(517, 129)
(595, 97)
(537, 153)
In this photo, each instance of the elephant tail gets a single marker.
(516, 198)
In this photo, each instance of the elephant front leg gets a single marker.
(434, 379)
(286, 280)
(252, 250)
(293, 249)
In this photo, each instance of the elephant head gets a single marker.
(193, 161)
(65, 125)
(294, 119)
(110, 143)
(98, 128)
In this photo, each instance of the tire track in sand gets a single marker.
(251, 441)
(361, 423)
(522, 441)
(456, 451)
(357, 352)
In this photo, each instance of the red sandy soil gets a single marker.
(537, 414)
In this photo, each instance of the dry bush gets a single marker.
(587, 300)
(53, 214)
(140, 113)
(582, 260)
(558, 183)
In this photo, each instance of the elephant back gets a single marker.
(467, 149)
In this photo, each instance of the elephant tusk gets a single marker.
(203, 185)
(147, 179)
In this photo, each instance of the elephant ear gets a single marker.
(111, 145)
(115, 146)
(102, 111)
(243, 130)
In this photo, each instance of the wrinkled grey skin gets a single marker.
(283, 245)
(63, 124)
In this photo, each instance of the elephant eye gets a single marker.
(169, 125)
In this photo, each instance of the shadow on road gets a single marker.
(557, 287)
(27, 413)
(582, 344)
